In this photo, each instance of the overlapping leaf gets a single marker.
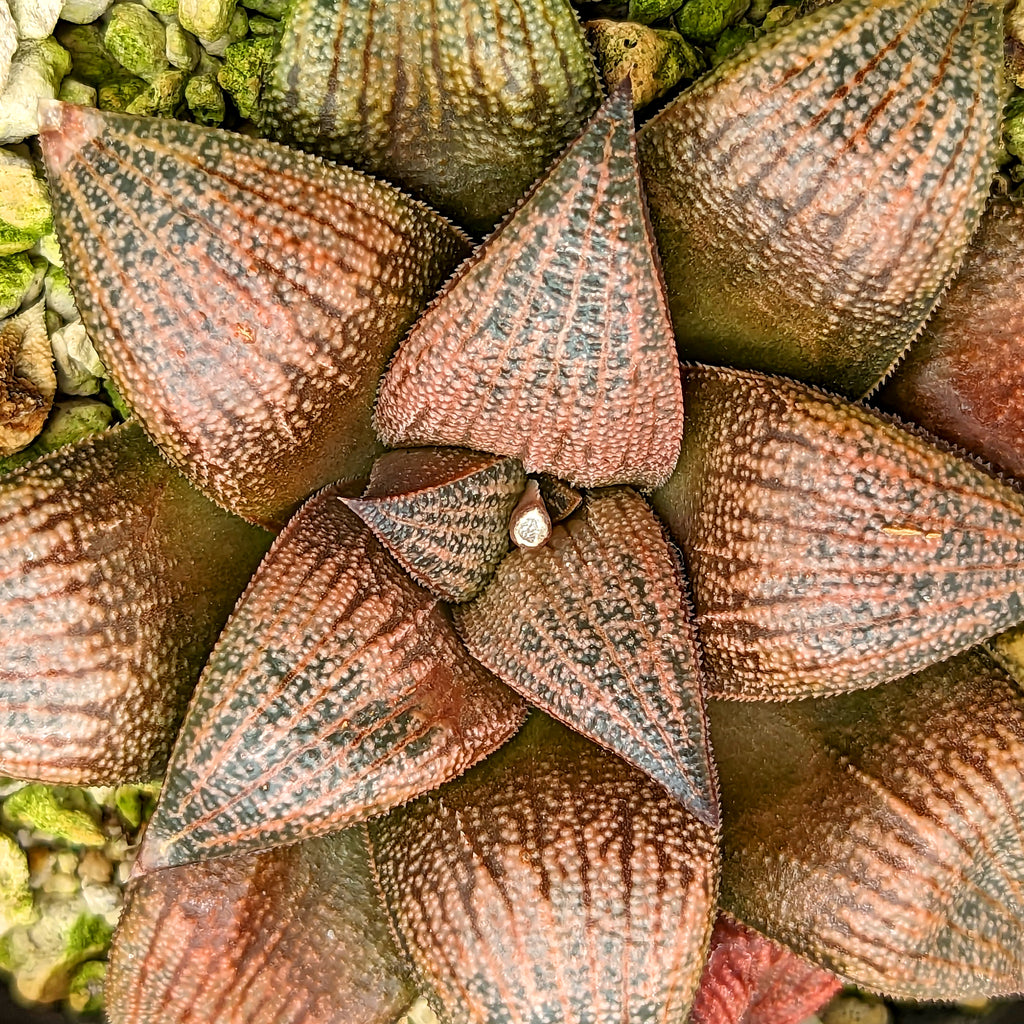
(115, 578)
(828, 549)
(553, 343)
(552, 883)
(339, 689)
(245, 298)
(813, 197)
(880, 833)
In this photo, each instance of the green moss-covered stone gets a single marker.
(205, 100)
(80, 93)
(648, 11)
(118, 94)
(70, 421)
(91, 61)
(134, 803)
(1013, 127)
(39, 807)
(731, 41)
(16, 276)
(208, 19)
(236, 32)
(15, 894)
(162, 6)
(85, 992)
(162, 97)
(245, 64)
(704, 21)
(656, 60)
(24, 206)
(136, 39)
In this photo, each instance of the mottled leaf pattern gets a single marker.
(880, 833)
(553, 883)
(594, 628)
(115, 578)
(462, 102)
(813, 197)
(443, 514)
(339, 689)
(296, 935)
(828, 549)
(553, 343)
(245, 298)
(749, 979)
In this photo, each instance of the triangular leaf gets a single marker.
(443, 514)
(594, 629)
(551, 883)
(553, 343)
(245, 298)
(829, 549)
(338, 690)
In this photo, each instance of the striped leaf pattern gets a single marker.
(461, 102)
(553, 343)
(115, 578)
(338, 690)
(748, 979)
(443, 514)
(829, 549)
(880, 833)
(245, 298)
(553, 883)
(594, 628)
(296, 935)
(813, 197)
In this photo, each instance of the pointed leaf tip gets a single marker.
(553, 342)
(338, 690)
(813, 197)
(594, 628)
(64, 129)
(830, 549)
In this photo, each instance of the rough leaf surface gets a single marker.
(880, 833)
(115, 578)
(828, 549)
(553, 343)
(812, 198)
(443, 514)
(338, 690)
(963, 379)
(749, 979)
(552, 883)
(594, 628)
(296, 935)
(462, 102)
(245, 298)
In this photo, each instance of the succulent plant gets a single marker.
(360, 806)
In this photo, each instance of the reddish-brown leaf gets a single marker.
(552, 883)
(749, 979)
(553, 343)
(338, 690)
(813, 197)
(443, 514)
(828, 548)
(594, 629)
(245, 298)
(881, 833)
(296, 935)
(963, 378)
(115, 578)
